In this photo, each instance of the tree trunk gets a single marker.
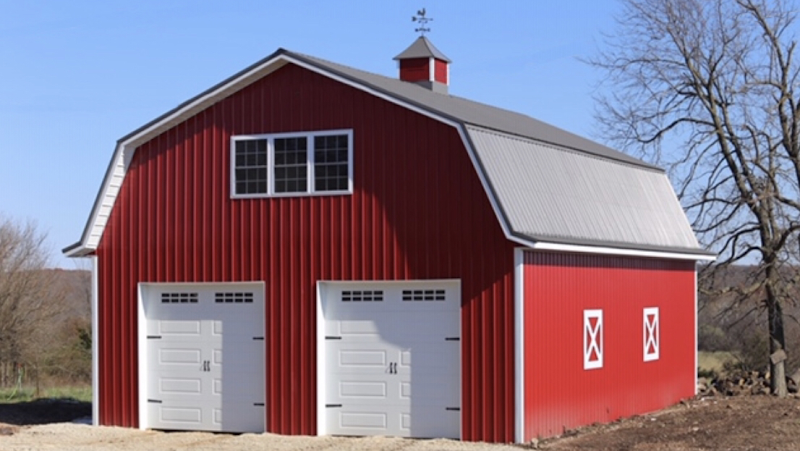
(777, 382)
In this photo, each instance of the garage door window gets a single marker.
(423, 295)
(362, 296)
(179, 298)
(233, 298)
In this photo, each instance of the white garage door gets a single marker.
(205, 357)
(392, 359)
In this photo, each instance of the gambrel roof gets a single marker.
(549, 188)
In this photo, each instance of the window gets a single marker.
(233, 298)
(179, 298)
(592, 339)
(651, 334)
(292, 164)
(423, 295)
(362, 296)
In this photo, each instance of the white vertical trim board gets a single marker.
(651, 335)
(431, 69)
(141, 331)
(519, 344)
(696, 362)
(95, 343)
(322, 380)
(592, 339)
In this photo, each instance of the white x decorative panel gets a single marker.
(592, 339)
(651, 334)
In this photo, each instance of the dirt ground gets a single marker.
(733, 423)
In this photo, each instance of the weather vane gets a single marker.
(423, 22)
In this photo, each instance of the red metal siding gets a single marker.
(415, 69)
(559, 393)
(418, 212)
(440, 71)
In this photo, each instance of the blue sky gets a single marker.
(78, 75)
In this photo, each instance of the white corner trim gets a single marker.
(696, 362)
(519, 344)
(141, 334)
(546, 246)
(321, 363)
(431, 69)
(95, 343)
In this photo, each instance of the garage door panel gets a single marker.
(191, 415)
(357, 356)
(428, 423)
(394, 360)
(430, 393)
(178, 385)
(190, 385)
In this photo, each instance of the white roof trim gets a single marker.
(126, 147)
(559, 247)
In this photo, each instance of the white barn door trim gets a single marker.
(225, 295)
(651, 334)
(592, 339)
(450, 328)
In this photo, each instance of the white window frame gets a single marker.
(592, 339)
(310, 189)
(651, 333)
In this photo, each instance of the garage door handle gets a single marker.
(206, 365)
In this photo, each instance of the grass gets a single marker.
(25, 394)
(713, 362)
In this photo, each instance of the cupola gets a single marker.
(425, 65)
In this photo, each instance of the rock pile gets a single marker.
(744, 383)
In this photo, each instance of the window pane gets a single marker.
(331, 163)
(291, 165)
(250, 166)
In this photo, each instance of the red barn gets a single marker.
(372, 255)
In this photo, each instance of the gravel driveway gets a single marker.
(80, 437)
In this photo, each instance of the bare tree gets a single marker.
(29, 297)
(707, 89)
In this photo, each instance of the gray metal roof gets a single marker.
(558, 195)
(470, 112)
(422, 48)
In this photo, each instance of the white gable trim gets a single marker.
(126, 149)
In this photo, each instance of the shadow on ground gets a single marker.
(43, 411)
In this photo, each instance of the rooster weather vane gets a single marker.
(423, 22)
